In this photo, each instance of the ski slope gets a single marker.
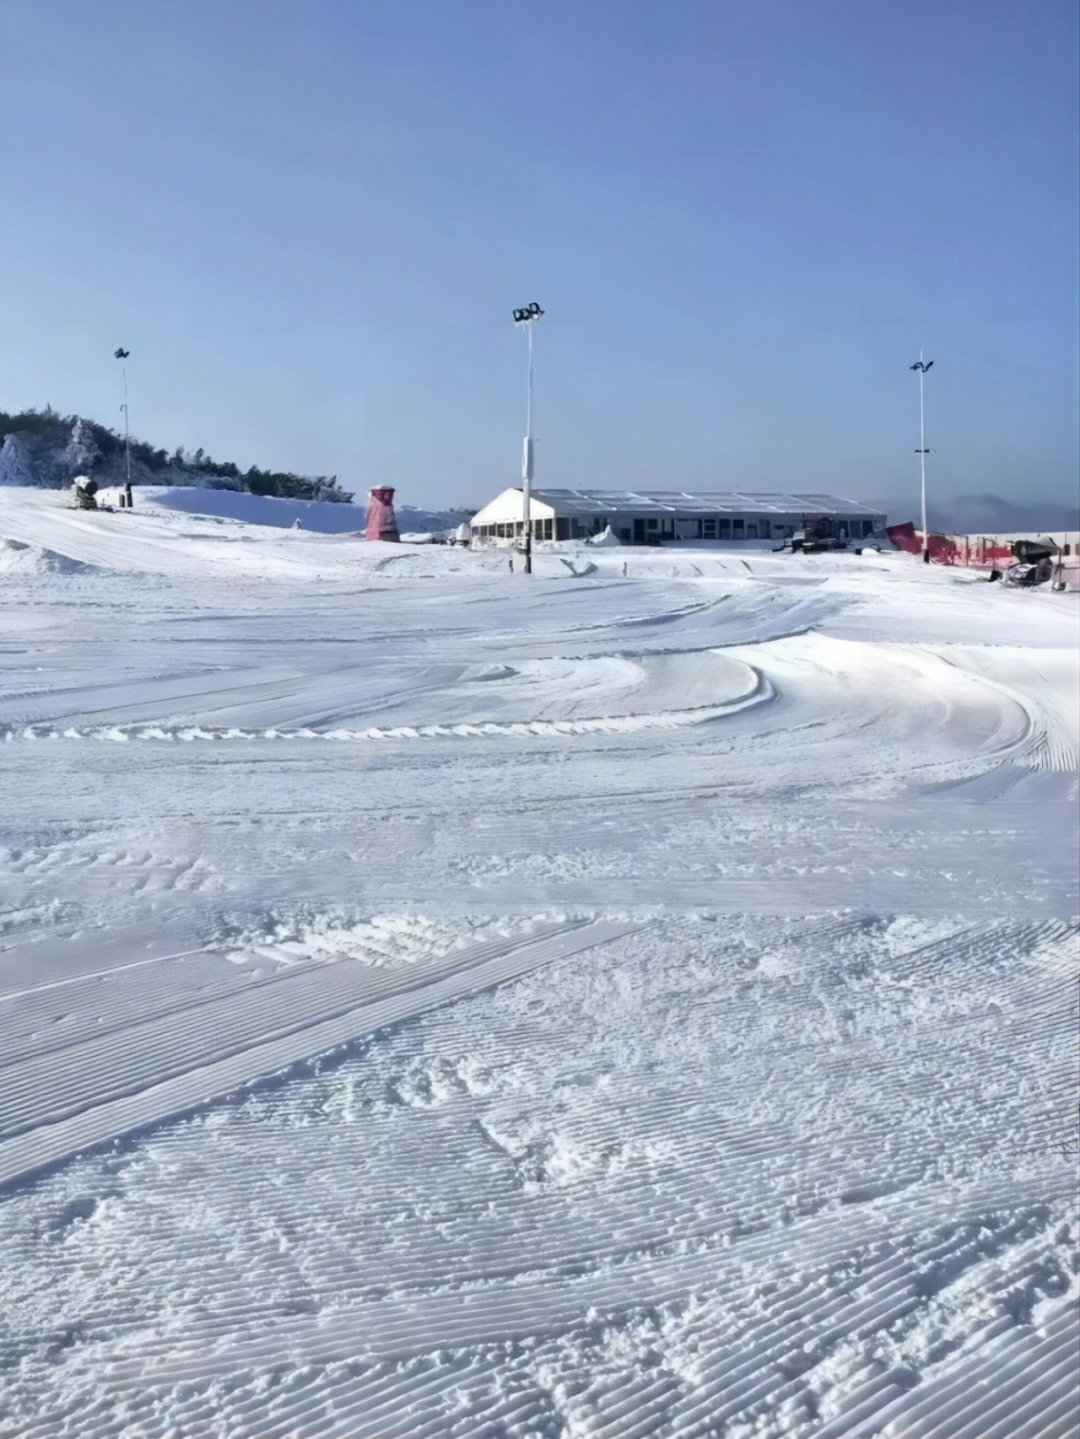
(634, 1000)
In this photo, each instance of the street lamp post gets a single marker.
(922, 366)
(526, 316)
(122, 354)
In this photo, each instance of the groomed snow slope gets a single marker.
(323, 516)
(436, 1002)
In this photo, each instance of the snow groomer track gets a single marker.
(128, 1049)
(436, 1004)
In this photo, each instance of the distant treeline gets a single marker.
(92, 448)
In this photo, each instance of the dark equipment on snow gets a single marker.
(1028, 576)
(85, 493)
(1029, 552)
(1034, 563)
(816, 536)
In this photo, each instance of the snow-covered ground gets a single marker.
(637, 1000)
(324, 516)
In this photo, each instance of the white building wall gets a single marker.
(509, 508)
(503, 519)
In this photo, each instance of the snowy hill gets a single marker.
(49, 450)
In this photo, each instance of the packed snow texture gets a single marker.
(323, 516)
(634, 1000)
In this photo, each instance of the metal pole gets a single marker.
(527, 315)
(922, 461)
(526, 463)
(528, 397)
(127, 441)
(125, 502)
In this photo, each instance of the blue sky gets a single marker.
(310, 222)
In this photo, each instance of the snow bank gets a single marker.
(17, 558)
(322, 516)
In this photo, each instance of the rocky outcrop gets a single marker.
(82, 452)
(15, 463)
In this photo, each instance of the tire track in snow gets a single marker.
(1049, 743)
(762, 693)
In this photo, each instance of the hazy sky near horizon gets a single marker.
(310, 223)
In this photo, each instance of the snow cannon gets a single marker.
(380, 522)
(83, 490)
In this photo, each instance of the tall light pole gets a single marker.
(122, 355)
(526, 316)
(922, 366)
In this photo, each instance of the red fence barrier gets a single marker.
(975, 551)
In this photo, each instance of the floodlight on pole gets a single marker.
(922, 366)
(526, 316)
(123, 355)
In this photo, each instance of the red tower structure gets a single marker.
(380, 522)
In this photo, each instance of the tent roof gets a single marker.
(592, 504)
(696, 502)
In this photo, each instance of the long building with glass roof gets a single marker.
(642, 517)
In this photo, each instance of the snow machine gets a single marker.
(1030, 552)
(817, 536)
(84, 494)
(1027, 576)
(1033, 563)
